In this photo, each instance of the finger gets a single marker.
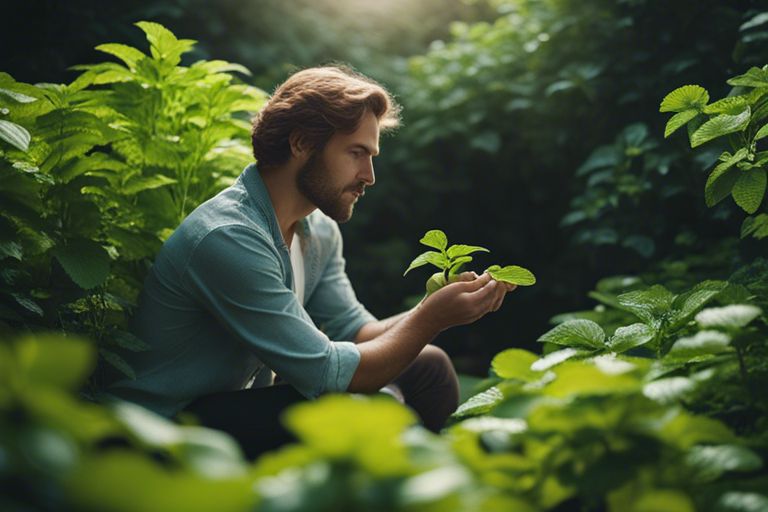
(466, 276)
(473, 286)
(499, 298)
(511, 287)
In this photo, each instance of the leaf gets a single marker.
(743, 501)
(756, 226)
(482, 403)
(749, 189)
(729, 105)
(457, 264)
(17, 96)
(755, 77)
(582, 378)
(734, 316)
(702, 343)
(713, 461)
(719, 184)
(10, 249)
(630, 336)
(678, 120)
(436, 258)
(140, 183)
(515, 363)
(117, 362)
(15, 135)
(669, 390)
(85, 261)
(512, 274)
(576, 333)
(684, 98)
(127, 54)
(164, 45)
(435, 238)
(54, 360)
(687, 304)
(647, 304)
(720, 125)
(462, 250)
(761, 133)
(129, 341)
(554, 358)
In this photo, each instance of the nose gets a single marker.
(367, 175)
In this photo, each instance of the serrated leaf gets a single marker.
(755, 77)
(481, 403)
(435, 238)
(701, 344)
(720, 125)
(687, 304)
(85, 261)
(455, 251)
(756, 226)
(749, 189)
(515, 363)
(512, 274)
(15, 135)
(678, 120)
(733, 316)
(630, 336)
(436, 258)
(127, 54)
(720, 181)
(731, 105)
(684, 98)
(647, 304)
(576, 333)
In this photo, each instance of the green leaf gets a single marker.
(743, 501)
(734, 316)
(117, 362)
(164, 45)
(85, 261)
(647, 304)
(435, 238)
(761, 133)
(701, 344)
(455, 251)
(54, 360)
(482, 403)
(684, 98)
(15, 135)
(438, 259)
(630, 336)
(457, 264)
(669, 390)
(127, 54)
(555, 358)
(730, 105)
(129, 341)
(687, 304)
(17, 96)
(719, 184)
(582, 378)
(10, 249)
(756, 226)
(749, 189)
(755, 77)
(678, 120)
(515, 363)
(721, 125)
(576, 333)
(713, 461)
(512, 274)
(140, 183)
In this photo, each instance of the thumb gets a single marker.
(475, 284)
(465, 276)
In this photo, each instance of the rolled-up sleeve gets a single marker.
(236, 275)
(333, 304)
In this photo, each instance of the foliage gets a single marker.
(450, 260)
(97, 173)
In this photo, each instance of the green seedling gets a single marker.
(450, 260)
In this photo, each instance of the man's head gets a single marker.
(327, 119)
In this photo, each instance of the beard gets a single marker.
(314, 181)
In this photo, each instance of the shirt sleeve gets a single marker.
(333, 304)
(236, 275)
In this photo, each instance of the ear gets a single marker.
(298, 145)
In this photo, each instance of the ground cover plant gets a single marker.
(652, 399)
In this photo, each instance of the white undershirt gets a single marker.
(297, 263)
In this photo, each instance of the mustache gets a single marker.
(360, 189)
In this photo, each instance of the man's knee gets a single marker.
(434, 359)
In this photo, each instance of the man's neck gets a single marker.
(290, 205)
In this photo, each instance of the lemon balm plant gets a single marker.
(450, 260)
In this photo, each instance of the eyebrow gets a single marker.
(365, 148)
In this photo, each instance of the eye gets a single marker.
(357, 153)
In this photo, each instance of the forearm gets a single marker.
(375, 329)
(384, 357)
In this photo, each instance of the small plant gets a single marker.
(450, 260)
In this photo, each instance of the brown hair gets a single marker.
(317, 102)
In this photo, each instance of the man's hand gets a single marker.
(464, 301)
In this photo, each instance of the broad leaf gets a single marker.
(455, 251)
(576, 333)
(721, 125)
(554, 358)
(435, 238)
(127, 54)
(140, 183)
(720, 181)
(647, 304)
(684, 98)
(458, 263)
(117, 362)
(743, 501)
(669, 390)
(515, 363)
(734, 316)
(54, 360)
(756, 226)
(630, 336)
(85, 261)
(436, 258)
(761, 133)
(749, 189)
(712, 461)
(687, 304)
(512, 274)
(14, 134)
(129, 341)
(755, 77)
(678, 120)
(481, 403)
(729, 105)
(701, 344)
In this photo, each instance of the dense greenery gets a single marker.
(650, 400)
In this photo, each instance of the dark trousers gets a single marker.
(429, 386)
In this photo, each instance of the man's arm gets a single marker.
(372, 330)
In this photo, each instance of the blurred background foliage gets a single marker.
(531, 127)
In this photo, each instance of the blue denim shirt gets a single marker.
(218, 308)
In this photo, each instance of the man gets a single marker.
(253, 282)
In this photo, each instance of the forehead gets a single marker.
(366, 135)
